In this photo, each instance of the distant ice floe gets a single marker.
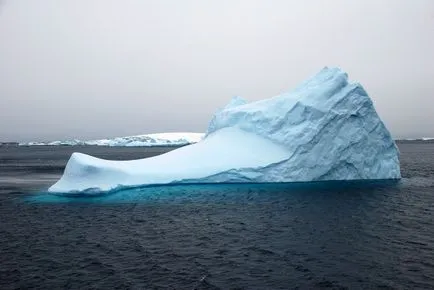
(416, 139)
(148, 140)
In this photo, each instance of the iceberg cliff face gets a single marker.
(325, 129)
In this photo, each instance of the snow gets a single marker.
(158, 139)
(325, 129)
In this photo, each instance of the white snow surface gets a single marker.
(148, 140)
(231, 148)
(325, 129)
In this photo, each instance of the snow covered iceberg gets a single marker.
(325, 129)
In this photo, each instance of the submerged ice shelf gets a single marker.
(325, 129)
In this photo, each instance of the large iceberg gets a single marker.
(325, 129)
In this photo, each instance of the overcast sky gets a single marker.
(90, 69)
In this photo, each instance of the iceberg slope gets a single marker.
(325, 129)
(230, 148)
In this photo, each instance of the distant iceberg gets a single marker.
(149, 140)
(421, 139)
(325, 129)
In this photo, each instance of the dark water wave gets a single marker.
(263, 236)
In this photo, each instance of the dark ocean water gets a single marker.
(339, 235)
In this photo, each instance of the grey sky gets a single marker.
(90, 69)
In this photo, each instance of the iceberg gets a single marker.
(325, 129)
(148, 140)
(73, 142)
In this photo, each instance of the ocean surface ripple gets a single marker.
(337, 236)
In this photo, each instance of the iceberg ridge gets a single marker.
(325, 129)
